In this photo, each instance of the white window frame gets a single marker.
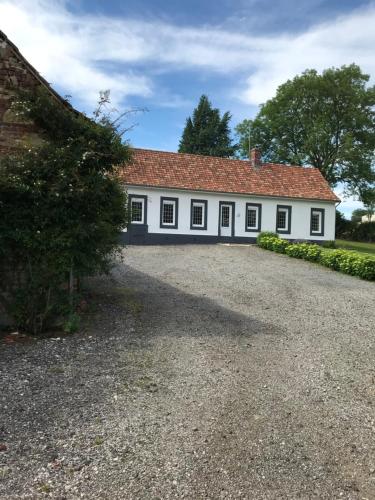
(174, 203)
(203, 204)
(287, 209)
(320, 212)
(142, 201)
(284, 211)
(258, 210)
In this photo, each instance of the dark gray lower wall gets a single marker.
(140, 236)
(178, 239)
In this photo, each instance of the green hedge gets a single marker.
(304, 251)
(340, 260)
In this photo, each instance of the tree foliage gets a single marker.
(353, 231)
(367, 196)
(344, 227)
(364, 232)
(61, 209)
(326, 120)
(357, 214)
(206, 132)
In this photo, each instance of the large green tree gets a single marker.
(206, 132)
(326, 120)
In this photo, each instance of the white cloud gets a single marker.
(348, 39)
(73, 50)
(64, 51)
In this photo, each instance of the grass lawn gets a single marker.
(368, 248)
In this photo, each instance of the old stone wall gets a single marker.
(14, 74)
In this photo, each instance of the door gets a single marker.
(226, 219)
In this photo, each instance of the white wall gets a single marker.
(301, 211)
(366, 219)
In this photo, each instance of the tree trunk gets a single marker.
(71, 289)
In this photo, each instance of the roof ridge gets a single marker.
(224, 158)
(165, 169)
(188, 154)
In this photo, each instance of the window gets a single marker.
(253, 217)
(226, 219)
(317, 222)
(225, 213)
(169, 212)
(283, 219)
(138, 209)
(198, 214)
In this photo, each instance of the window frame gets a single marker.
(166, 225)
(256, 229)
(322, 217)
(200, 202)
(133, 197)
(288, 209)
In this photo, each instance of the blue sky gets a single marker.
(163, 54)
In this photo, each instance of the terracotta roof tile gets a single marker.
(206, 173)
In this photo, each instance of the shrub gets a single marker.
(340, 260)
(72, 323)
(306, 251)
(61, 211)
(266, 234)
(329, 244)
(272, 241)
(357, 265)
(295, 250)
(313, 253)
(279, 245)
(365, 268)
(364, 232)
(331, 258)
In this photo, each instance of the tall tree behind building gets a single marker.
(206, 132)
(326, 120)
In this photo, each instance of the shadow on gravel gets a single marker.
(167, 310)
(50, 387)
(71, 407)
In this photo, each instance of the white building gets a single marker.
(366, 218)
(183, 198)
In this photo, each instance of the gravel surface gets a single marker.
(212, 372)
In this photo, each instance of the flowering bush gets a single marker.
(61, 211)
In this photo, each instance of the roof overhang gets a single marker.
(254, 195)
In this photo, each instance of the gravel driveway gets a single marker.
(200, 372)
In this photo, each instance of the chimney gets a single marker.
(256, 158)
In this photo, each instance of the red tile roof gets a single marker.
(207, 173)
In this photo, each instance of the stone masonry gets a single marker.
(16, 73)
